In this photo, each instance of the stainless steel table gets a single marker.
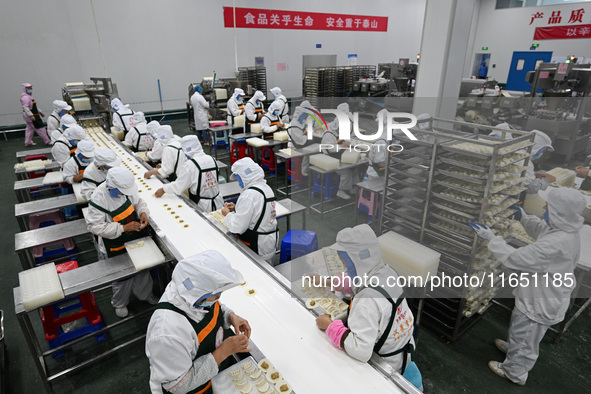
(25, 241)
(22, 172)
(375, 185)
(20, 156)
(295, 153)
(23, 210)
(230, 190)
(22, 188)
(211, 133)
(81, 280)
(293, 207)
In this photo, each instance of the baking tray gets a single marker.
(469, 216)
(466, 178)
(461, 237)
(464, 164)
(223, 384)
(416, 184)
(466, 204)
(444, 182)
(405, 172)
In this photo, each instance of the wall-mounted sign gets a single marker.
(256, 18)
(562, 32)
(556, 17)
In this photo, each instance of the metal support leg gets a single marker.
(34, 348)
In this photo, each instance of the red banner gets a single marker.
(301, 20)
(562, 32)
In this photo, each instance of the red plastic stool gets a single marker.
(240, 149)
(370, 205)
(60, 313)
(44, 219)
(268, 159)
(36, 174)
(294, 169)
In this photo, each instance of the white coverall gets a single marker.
(298, 134)
(71, 168)
(250, 206)
(139, 132)
(347, 176)
(370, 310)
(171, 340)
(378, 155)
(200, 111)
(61, 152)
(101, 224)
(189, 179)
(234, 110)
(556, 251)
(283, 105)
(121, 116)
(169, 158)
(251, 106)
(87, 187)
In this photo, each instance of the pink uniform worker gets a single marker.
(32, 117)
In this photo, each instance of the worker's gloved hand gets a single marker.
(482, 231)
(519, 212)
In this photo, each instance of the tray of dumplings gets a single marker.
(334, 263)
(467, 213)
(217, 215)
(321, 297)
(463, 175)
(248, 376)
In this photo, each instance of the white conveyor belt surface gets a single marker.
(283, 329)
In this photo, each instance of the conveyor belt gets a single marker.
(282, 328)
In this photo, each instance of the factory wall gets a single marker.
(178, 42)
(507, 30)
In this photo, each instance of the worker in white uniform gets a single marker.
(138, 137)
(65, 146)
(66, 121)
(60, 108)
(173, 157)
(155, 154)
(379, 318)
(253, 217)
(121, 115)
(235, 105)
(377, 156)
(298, 133)
(189, 336)
(538, 305)
(271, 121)
(200, 114)
(254, 110)
(349, 176)
(76, 165)
(96, 172)
(117, 214)
(279, 98)
(199, 175)
(534, 180)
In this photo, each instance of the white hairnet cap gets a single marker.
(275, 105)
(258, 95)
(305, 103)
(105, 157)
(138, 117)
(499, 134)
(67, 120)
(204, 274)
(191, 145)
(344, 107)
(565, 208)
(86, 148)
(75, 132)
(541, 140)
(362, 246)
(164, 132)
(238, 91)
(116, 104)
(153, 126)
(58, 105)
(276, 91)
(122, 179)
(248, 170)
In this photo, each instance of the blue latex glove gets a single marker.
(519, 212)
(482, 231)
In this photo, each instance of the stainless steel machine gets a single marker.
(559, 105)
(91, 101)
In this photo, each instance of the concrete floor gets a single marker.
(459, 367)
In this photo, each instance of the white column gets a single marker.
(444, 47)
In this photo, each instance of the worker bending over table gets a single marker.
(253, 215)
(171, 155)
(117, 214)
(189, 338)
(254, 110)
(96, 172)
(199, 175)
(76, 165)
(138, 137)
(65, 146)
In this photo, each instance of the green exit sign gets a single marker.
(535, 45)
(485, 48)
